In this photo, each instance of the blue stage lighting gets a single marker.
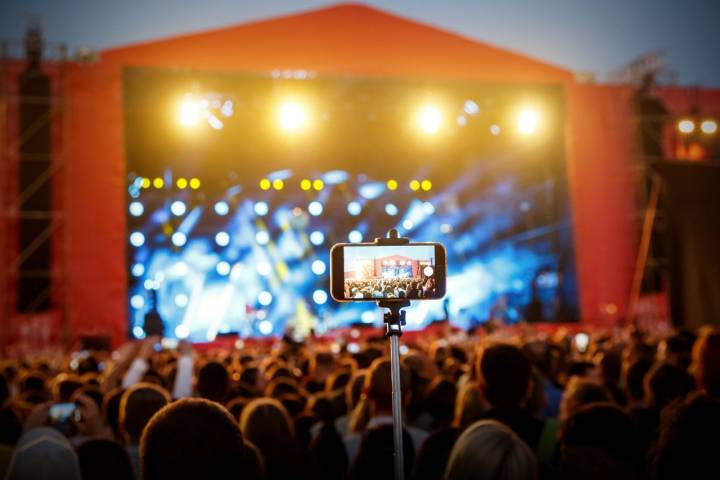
(222, 208)
(137, 301)
(317, 238)
(178, 239)
(265, 327)
(136, 209)
(178, 208)
(137, 239)
(265, 298)
(391, 209)
(138, 332)
(318, 267)
(261, 209)
(264, 268)
(428, 208)
(320, 296)
(408, 224)
(138, 269)
(262, 237)
(368, 316)
(355, 236)
(315, 208)
(354, 208)
(182, 331)
(222, 239)
(181, 300)
(223, 268)
(180, 269)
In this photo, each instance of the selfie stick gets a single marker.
(394, 321)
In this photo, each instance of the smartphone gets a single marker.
(581, 342)
(372, 272)
(62, 416)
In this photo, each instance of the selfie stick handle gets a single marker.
(394, 321)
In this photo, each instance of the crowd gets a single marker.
(390, 288)
(480, 405)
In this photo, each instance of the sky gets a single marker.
(581, 35)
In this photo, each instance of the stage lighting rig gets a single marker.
(292, 116)
(430, 119)
(708, 127)
(686, 126)
(528, 121)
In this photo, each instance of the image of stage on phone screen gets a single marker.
(397, 271)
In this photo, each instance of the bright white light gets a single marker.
(264, 268)
(222, 239)
(430, 119)
(265, 327)
(222, 268)
(261, 209)
(137, 239)
(215, 122)
(408, 224)
(354, 208)
(137, 301)
(236, 272)
(686, 126)
(317, 238)
(528, 122)
(391, 209)
(181, 300)
(138, 332)
(446, 228)
(320, 296)
(318, 267)
(222, 208)
(262, 237)
(136, 209)
(292, 116)
(495, 129)
(261, 315)
(367, 317)
(180, 268)
(428, 271)
(471, 108)
(403, 349)
(149, 284)
(353, 347)
(138, 269)
(190, 112)
(178, 208)
(355, 236)
(708, 126)
(182, 331)
(315, 208)
(265, 298)
(178, 239)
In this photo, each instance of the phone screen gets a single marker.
(388, 272)
(61, 416)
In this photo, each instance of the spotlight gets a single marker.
(264, 268)
(136, 209)
(318, 267)
(528, 121)
(708, 126)
(292, 116)
(137, 239)
(471, 108)
(320, 296)
(137, 270)
(222, 239)
(265, 184)
(426, 185)
(354, 208)
(428, 271)
(181, 300)
(278, 184)
(178, 208)
(317, 238)
(145, 183)
(262, 237)
(428, 208)
(408, 224)
(391, 209)
(305, 184)
(265, 298)
(158, 182)
(686, 126)
(222, 268)
(495, 129)
(222, 208)
(138, 332)
(355, 236)
(137, 301)
(194, 183)
(318, 184)
(414, 185)
(430, 119)
(261, 209)
(392, 184)
(180, 269)
(265, 327)
(315, 208)
(182, 331)
(178, 239)
(190, 112)
(181, 183)
(368, 316)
